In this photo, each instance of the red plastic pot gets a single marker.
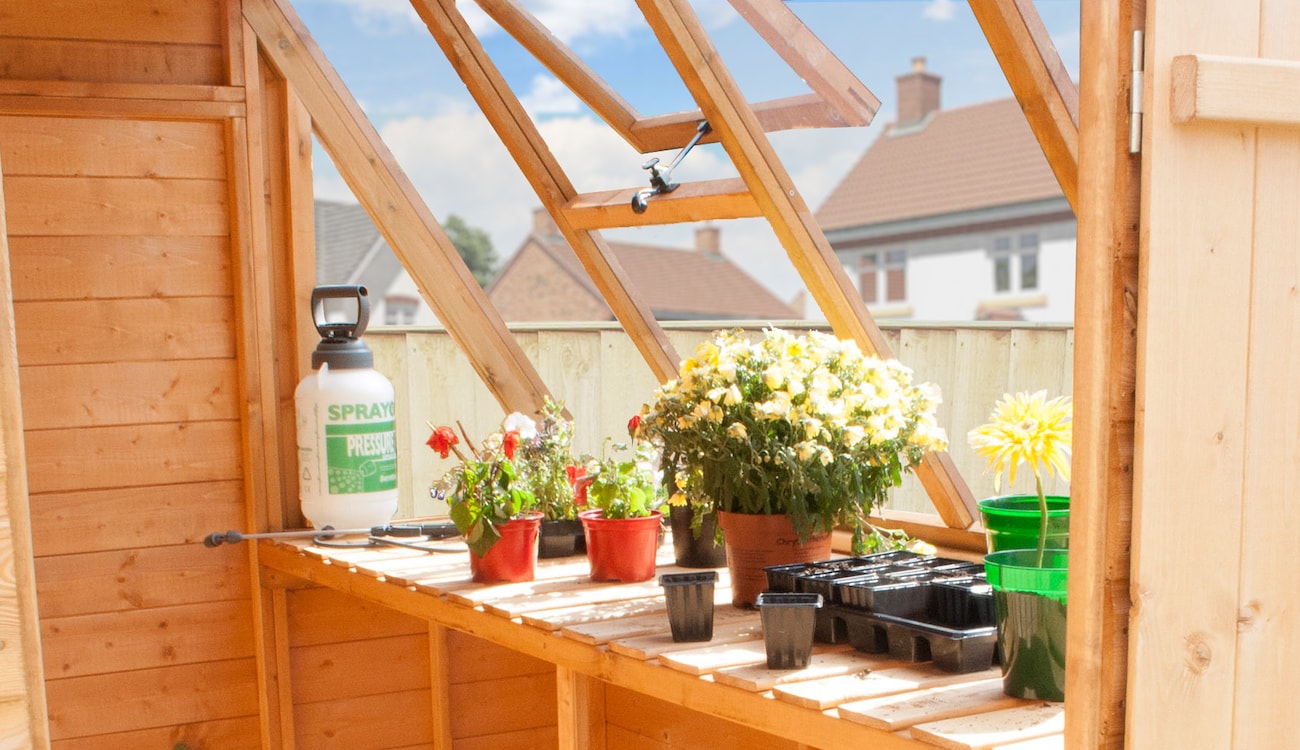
(513, 557)
(621, 549)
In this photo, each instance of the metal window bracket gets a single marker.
(659, 178)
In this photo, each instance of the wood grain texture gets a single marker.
(148, 698)
(1105, 366)
(95, 582)
(1194, 421)
(118, 206)
(133, 517)
(134, 20)
(1217, 88)
(126, 62)
(124, 330)
(50, 146)
(133, 455)
(80, 267)
(106, 643)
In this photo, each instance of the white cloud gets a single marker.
(548, 96)
(379, 17)
(940, 10)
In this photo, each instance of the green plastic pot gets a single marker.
(1029, 604)
(1011, 522)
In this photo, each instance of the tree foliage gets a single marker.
(474, 246)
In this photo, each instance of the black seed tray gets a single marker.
(785, 578)
(951, 649)
(858, 628)
(962, 603)
(901, 598)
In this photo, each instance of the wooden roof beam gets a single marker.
(663, 132)
(1041, 83)
(692, 201)
(701, 68)
(396, 208)
(810, 59)
(840, 99)
(520, 136)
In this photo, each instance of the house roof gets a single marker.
(345, 236)
(678, 283)
(963, 159)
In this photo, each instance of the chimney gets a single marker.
(706, 241)
(918, 93)
(543, 224)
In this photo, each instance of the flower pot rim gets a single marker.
(787, 599)
(1008, 558)
(1001, 505)
(688, 579)
(596, 514)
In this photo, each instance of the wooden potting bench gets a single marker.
(617, 634)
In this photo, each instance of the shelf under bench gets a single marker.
(617, 634)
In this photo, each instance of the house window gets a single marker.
(400, 310)
(868, 266)
(1015, 266)
(883, 281)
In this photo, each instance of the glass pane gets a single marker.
(1002, 274)
(868, 262)
(867, 285)
(1029, 271)
(895, 285)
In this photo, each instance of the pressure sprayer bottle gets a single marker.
(347, 441)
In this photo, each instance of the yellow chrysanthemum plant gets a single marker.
(1028, 428)
(805, 425)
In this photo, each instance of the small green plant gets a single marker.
(626, 487)
(545, 461)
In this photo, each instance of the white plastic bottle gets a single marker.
(347, 438)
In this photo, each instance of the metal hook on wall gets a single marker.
(659, 179)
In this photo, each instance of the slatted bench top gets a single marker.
(619, 633)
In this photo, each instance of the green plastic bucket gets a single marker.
(1029, 602)
(1011, 522)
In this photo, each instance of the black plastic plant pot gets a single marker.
(560, 539)
(690, 604)
(962, 602)
(901, 598)
(788, 622)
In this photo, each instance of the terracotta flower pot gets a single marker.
(513, 557)
(756, 541)
(621, 549)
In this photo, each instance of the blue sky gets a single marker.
(392, 66)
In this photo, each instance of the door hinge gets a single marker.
(1135, 96)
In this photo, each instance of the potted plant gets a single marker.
(546, 464)
(786, 438)
(1029, 584)
(622, 522)
(491, 507)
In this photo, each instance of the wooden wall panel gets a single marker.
(49, 146)
(79, 267)
(102, 394)
(357, 668)
(161, 21)
(110, 206)
(146, 638)
(142, 578)
(125, 701)
(218, 733)
(321, 615)
(116, 62)
(133, 517)
(141, 330)
(373, 722)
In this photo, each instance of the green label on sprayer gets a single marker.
(362, 457)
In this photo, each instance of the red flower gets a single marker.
(633, 424)
(509, 443)
(442, 439)
(574, 472)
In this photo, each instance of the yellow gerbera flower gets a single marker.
(1026, 428)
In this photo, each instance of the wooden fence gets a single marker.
(596, 372)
